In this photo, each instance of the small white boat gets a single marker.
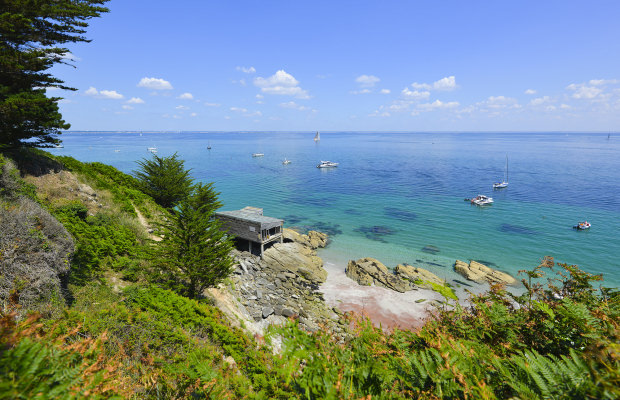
(286, 162)
(582, 225)
(504, 183)
(257, 154)
(317, 137)
(327, 164)
(152, 149)
(117, 151)
(482, 200)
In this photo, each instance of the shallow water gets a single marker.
(398, 197)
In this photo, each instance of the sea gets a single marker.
(400, 197)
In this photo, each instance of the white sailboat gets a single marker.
(504, 183)
(317, 137)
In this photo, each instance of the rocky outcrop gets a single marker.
(297, 259)
(283, 285)
(313, 239)
(368, 271)
(474, 271)
(418, 276)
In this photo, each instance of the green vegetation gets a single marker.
(165, 179)
(144, 341)
(31, 33)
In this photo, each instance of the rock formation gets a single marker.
(417, 275)
(368, 271)
(313, 239)
(474, 271)
(284, 284)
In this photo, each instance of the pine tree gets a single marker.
(195, 252)
(31, 34)
(165, 179)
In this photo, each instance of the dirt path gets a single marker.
(145, 224)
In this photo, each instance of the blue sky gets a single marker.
(348, 65)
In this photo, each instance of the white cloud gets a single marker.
(110, 94)
(600, 82)
(193, 115)
(363, 91)
(238, 109)
(240, 82)
(186, 96)
(293, 105)
(415, 94)
(385, 91)
(212, 104)
(126, 107)
(540, 100)
(379, 113)
(530, 91)
(447, 83)
(438, 104)
(180, 107)
(582, 91)
(260, 96)
(155, 83)
(247, 70)
(367, 80)
(500, 102)
(565, 107)
(254, 114)
(135, 100)
(281, 83)
(103, 94)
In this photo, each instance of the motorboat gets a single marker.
(152, 149)
(257, 154)
(582, 225)
(327, 164)
(482, 200)
(504, 183)
(286, 162)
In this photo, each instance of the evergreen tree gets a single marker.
(165, 179)
(195, 252)
(31, 33)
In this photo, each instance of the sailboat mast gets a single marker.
(506, 167)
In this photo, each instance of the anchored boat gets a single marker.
(482, 200)
(582, 225)
(327, 164)
(504, 183)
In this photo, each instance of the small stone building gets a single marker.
(251, 226)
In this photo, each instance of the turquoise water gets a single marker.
(395, 194)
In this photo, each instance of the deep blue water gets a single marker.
(394, 195)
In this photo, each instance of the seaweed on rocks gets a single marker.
(402, 215)
(329, 228)
(293, 219)
(430, 249)
(376, 232)
(521, 230)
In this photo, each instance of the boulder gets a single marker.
(368, 271)
(295, 258)
(417, 274)
(313, 239)
(317, 239)
(474, 271)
